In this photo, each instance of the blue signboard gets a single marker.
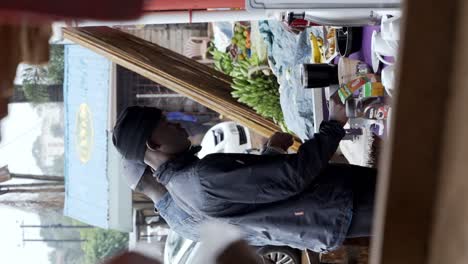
(86, 93)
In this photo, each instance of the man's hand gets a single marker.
(281, 140)
(337, 110)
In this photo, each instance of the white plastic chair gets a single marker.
(197, 48)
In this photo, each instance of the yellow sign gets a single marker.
(84, 133)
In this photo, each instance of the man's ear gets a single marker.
(152, 146)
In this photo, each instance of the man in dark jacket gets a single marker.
(298, 200)
(141, 180)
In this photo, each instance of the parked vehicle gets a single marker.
(226, 137)
(179, 250)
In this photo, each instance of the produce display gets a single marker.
(241, 41)
(223, 61)
(253, 83)
(256, 87)
(323, 44)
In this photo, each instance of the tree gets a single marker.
(56, 64)
(57, 130)
(58, 165)
(40, 159)
(36, 79)
(35, 84)
(102, 244)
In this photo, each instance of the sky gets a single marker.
(12, 248)
(19, 130)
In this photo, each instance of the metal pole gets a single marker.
(55, 240)
(56, 226)
(41, 190)
(32, 184)
(37, 177)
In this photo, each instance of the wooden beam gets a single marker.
(409, 173)
(170, 69)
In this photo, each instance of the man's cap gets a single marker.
(133, 128)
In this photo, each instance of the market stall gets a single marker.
(292, 48)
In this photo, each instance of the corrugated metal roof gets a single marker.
(86, 92)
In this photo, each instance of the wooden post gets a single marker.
(409, 174)
(449, 236)
(174, 71)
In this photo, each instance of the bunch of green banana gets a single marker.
(222, 60)
(258, 90)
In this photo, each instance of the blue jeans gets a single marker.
(364, 185)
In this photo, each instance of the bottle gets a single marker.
(318, 75)
(373, 108)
